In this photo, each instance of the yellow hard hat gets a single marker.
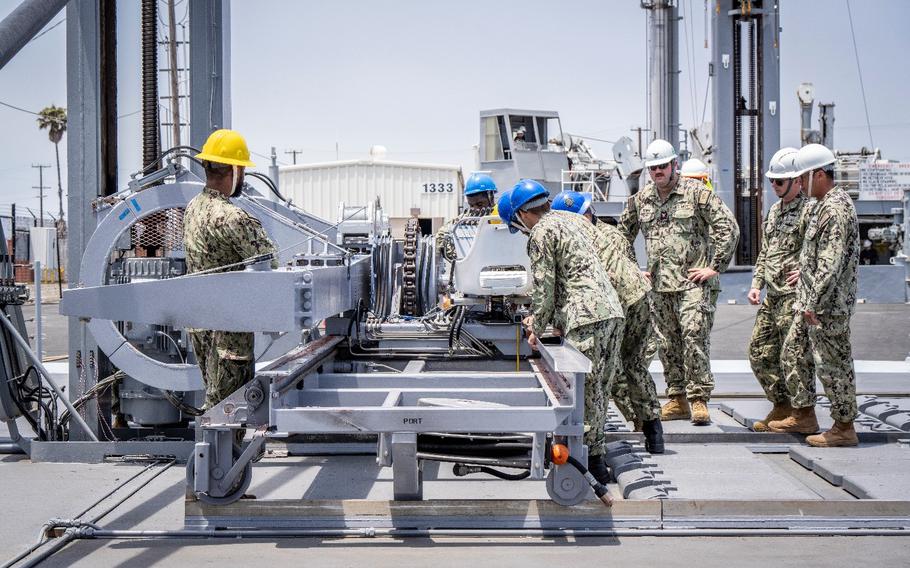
(226, 147)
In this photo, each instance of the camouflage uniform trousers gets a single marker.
(633, 390)
(773, 321)
(226, 361)
(685, 319)
(822, 351)
(600, 342)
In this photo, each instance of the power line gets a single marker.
(47, 30)
(859, 71)
(18, 108)
(264, 157)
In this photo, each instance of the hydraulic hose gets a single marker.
(599, 489)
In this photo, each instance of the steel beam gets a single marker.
(210, 69)
(767, 105)
(663, 67)
(21, 25)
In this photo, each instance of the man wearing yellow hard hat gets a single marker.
(218, 236)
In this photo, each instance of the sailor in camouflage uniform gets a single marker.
(690, 237)
(782, 239)
(217, 233)
(479, 191)
(826, 298)
(572, 292)
(633, 388)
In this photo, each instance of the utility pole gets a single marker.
(172, 53)
(40, 187)
(293, 154)
(639, 130)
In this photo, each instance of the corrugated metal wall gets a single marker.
(432, 191)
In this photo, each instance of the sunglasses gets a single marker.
(780, 182)
(660, 167)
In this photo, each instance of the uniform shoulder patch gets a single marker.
(823, 218)
(703, 196)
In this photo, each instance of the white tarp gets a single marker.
(884, 181)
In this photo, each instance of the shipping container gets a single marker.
(430, 192)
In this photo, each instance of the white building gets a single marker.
(430, 192)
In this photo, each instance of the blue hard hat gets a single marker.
(479, 183)
(572, 201)
(527, 191)
(504, 208)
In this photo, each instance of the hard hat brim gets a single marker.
(660, 161)
(222, 160)
(815, 167)
(771, 175)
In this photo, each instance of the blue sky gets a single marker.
(412, 75)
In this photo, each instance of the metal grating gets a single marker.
(161, 232)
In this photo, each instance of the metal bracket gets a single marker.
(407, 475)
(171, 169)
(242, 408)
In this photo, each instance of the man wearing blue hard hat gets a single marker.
(633, 389)
(572, 293)
(479, 192)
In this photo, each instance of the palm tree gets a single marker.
(53, 119)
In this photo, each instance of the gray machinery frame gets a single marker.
(304, 393)
(317, 282)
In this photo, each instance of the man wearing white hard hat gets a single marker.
(826, 298)
(782, 240)
(690, 237)
(696, 169)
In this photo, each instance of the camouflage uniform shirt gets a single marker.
(218, 233)
(618, 257)
(691, 229)
(830, 257)
(782, 239)
(571, 286)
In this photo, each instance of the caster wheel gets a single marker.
(231, 496)
(566, 486)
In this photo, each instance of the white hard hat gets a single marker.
(659, 153)
(782, 164)
(694, 168)
(812, 157)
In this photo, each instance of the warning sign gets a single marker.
(884, 181)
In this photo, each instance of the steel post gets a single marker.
(39, 340)
(210, 70)
(663, 66)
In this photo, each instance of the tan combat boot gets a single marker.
(841, 434)
(780, 411)
(677, 408)
(800, 421)
(700, 415)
